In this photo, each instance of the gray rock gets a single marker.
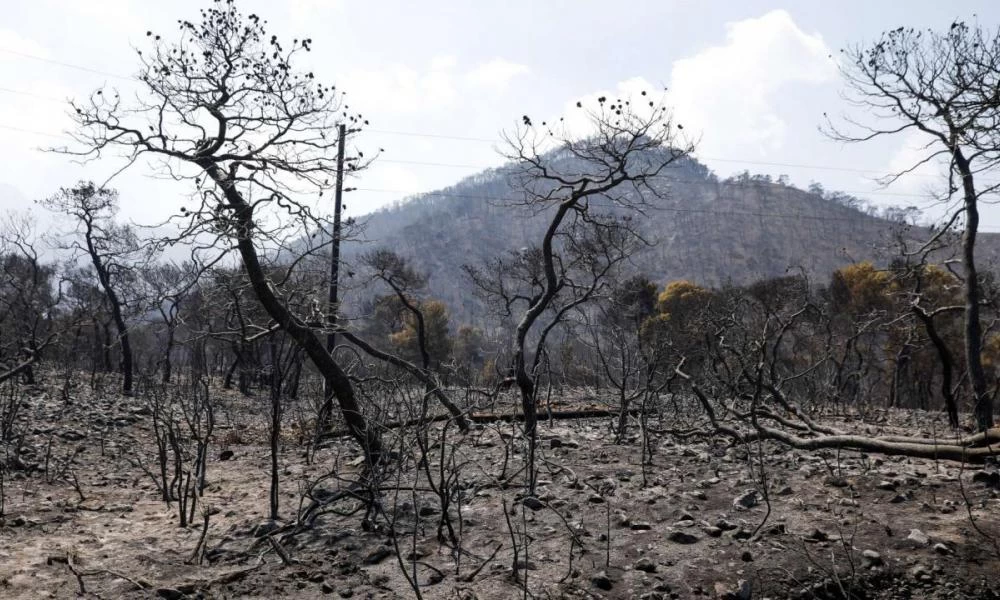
(170, 594)
(746, 500)
(712, 531)
(645, 564)
(741, 591)
(922, 573)
(532, 502)
(377, 556)
(871, 558)
(601, 581)
(725, 525)
(640, 526)
(835, 481)
(72, 435)
(682, 537)
(918, 537)
(942, 549)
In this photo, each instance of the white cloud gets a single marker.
(496, 73)
(728, 92)
(577, 121)
(402, 89)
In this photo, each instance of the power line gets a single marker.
(480, 168)
(789, 165)
(64, 64)
(758, 214)
(34, 132)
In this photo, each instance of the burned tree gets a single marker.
(590, 189)
(110, 248)
(225, 109)
(942, 86)
(393, 271)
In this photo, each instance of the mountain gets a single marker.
(703, 229)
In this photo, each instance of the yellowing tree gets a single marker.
(436, 332)
(861, 288)
(680, 297)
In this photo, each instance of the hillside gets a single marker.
(704, 229)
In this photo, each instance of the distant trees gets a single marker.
(941, 85)
(30, 296)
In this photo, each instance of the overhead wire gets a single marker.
(428, 135)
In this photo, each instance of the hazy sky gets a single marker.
(752, 78)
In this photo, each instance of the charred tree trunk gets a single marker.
(983, 402)
(114, 302)
(304, 336)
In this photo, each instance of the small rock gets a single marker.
(170, 593)
(921, 573)
(725, 525)
(887, 485)
(746, 500)
(596, 499)
(990, 479)
(427, 511)
(871, 558)
(742, 591)
(785, 491)
(645, 564)
(682, 537)
(942, 549)
(898, 499)
(532, 503)
(835, 481)
(377, 556)
(918, 537)
(226, 455)
(640, 526)
(602, 581)
(712, 531)
(72, 435)
(555, 443)
(747, 556)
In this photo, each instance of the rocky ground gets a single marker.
(705, 519)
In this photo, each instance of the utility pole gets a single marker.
(331, 315)
(326, 411)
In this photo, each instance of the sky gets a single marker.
(751, 80)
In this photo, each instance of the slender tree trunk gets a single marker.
(167, 363)
(983, 402)
(300, 332)
(947, 365)
(116, 307)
